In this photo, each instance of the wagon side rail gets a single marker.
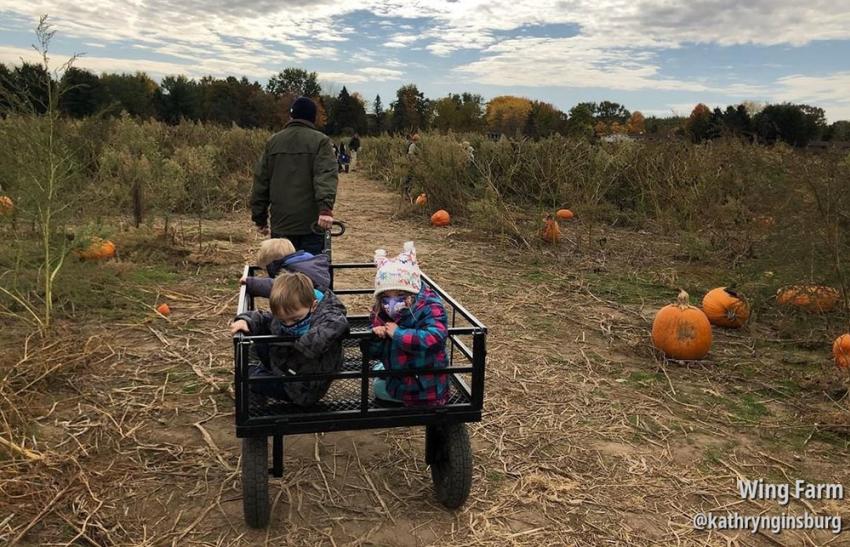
(470, 359)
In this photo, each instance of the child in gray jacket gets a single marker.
(316, 319)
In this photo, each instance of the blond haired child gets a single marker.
(278, 254)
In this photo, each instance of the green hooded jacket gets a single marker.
(296, 178)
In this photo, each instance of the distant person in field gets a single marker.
(343, 158)
(353, 148)
(412, 154)
(470, 151)
(295, 181)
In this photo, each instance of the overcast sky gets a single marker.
(657, 56)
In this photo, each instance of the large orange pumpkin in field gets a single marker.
(682, 331)
(564, 214)
(809, 298)
(725, 308)
(441, 218)
(841, 351)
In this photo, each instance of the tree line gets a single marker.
(249, 104)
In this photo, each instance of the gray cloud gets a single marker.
(617, 45)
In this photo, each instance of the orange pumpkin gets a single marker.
(841, 351)
(441, 218)
(107, 249)
(564, 214)
(163, 309)
(97, 250)
(682, 331)
(725, 308)
(809, 298)
(421, 199)
(6, 205)
(551, 232)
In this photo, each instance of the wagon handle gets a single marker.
(334, 233)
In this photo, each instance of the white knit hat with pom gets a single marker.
(397, 274)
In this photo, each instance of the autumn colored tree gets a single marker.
(507, 114)
(600, 129)
(699, 123)
(616, 128)
(636, 124)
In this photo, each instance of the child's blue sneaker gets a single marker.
(379, 386)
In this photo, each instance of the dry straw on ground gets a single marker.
(123, 435)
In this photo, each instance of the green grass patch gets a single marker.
(643, 379)
(783, 389)
(191, 388)
(114, 289)
(746, 408)
(628, 289)
(495, 476)
(151, 275)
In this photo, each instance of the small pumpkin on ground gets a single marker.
(6, 205)
(841, 351)
(441, 218)
(98, 249)
(164, 309)
(551, 232)
(725, 308)
(564, 214)
(421, 199)
(809, 298)
(682, 331)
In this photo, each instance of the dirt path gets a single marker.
(585, 440)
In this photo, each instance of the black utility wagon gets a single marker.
(351, 404)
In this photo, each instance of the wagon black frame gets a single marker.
(367, 415)
(448, 450)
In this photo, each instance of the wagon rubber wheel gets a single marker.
(255, 481)
(448, 452)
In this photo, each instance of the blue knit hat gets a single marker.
(303, 109)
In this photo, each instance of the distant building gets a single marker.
(617, 137)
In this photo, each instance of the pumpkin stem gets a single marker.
(684, 299)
